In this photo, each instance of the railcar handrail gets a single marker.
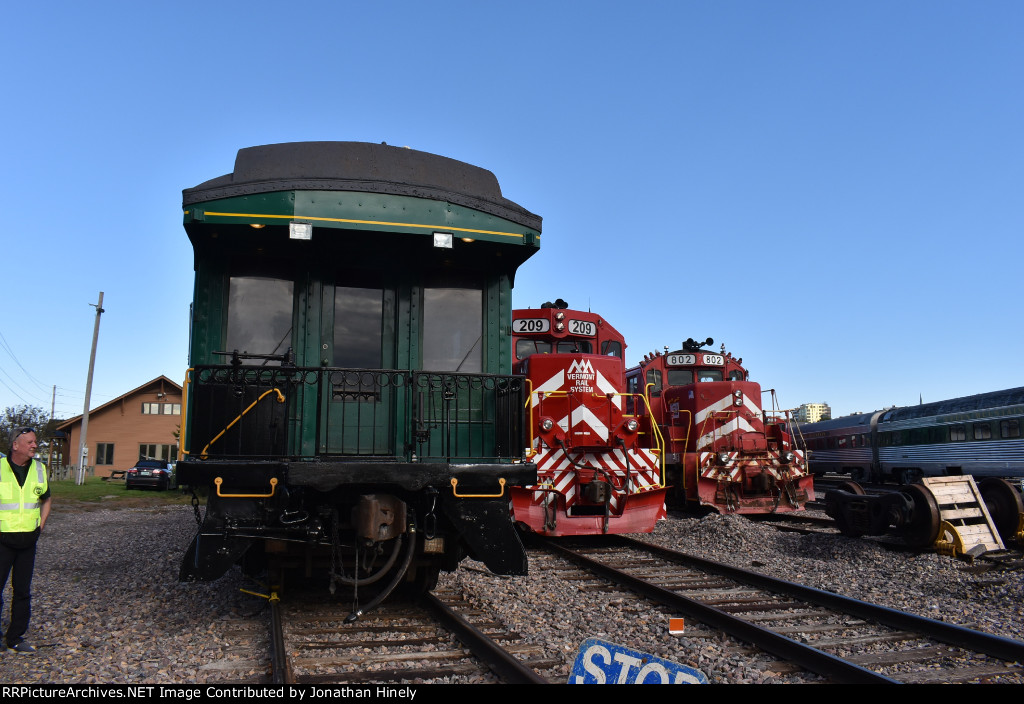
(280, 399)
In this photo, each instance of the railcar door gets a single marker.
(361, 388)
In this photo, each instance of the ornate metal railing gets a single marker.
(239, 411)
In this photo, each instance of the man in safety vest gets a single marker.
(24, 508)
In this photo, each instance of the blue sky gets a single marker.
(832, 189)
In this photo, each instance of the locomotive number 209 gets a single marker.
(531, 325)
(581, 327)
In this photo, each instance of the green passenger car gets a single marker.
(348, 399)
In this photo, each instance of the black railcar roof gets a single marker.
(363, 167)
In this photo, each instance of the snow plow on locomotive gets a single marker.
(348, 403)
(723, 450)
(597, 472)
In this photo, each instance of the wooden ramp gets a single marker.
(966, 528)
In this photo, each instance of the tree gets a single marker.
(26, 416)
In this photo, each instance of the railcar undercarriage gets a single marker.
(319, 519)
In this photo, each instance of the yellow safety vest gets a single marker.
(19, 505)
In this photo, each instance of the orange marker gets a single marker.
(675, 626)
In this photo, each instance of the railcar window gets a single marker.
(260, 315)
(453, 330)
(982, 431)
(1009, 428)
(577, 346)
(680, 377)
(709, 375)
(957, 433)
(358, 327)
(612, 348)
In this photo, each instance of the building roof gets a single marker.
(122, 397)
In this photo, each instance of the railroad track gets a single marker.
(841, 639)
(440, 639)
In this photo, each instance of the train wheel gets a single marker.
(851, 488)
(844, 527)
(1004, 504)
(923, 528)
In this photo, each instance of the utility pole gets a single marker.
(82, 447)
(53, 408)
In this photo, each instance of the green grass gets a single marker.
(96, 493)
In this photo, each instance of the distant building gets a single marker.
(142, 423)
(812, 412)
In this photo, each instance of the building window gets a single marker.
(167, 453)
(104, 453)
(161, 409)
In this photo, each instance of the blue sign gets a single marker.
(600, 662)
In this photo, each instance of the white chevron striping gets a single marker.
(555, 383)
(606, 387)
(732, 426)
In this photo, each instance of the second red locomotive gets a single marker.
(598, 472)
(723, 451)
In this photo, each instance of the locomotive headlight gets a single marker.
(631, 425)
(723, 457)
(737, 398)
(559, 316)
(787, 457)
(546, 424)
(559, 327)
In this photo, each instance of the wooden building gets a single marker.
(143, 423)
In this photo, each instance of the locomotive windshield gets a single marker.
(709, 375)
(680, 377)
(577, 346)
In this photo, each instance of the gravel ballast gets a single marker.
(107, 606)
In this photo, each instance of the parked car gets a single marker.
(149, 473)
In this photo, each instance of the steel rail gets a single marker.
(502, 662)
(281, 671)
(793, 651)
(995, 646)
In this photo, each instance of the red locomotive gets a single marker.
(722, 449)
(598, 472)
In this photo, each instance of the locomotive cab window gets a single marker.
(709, 375)
(680, 377)
(575, 346)
(611, 348)
(524, 348)
(654, 377)
(735, 375)
(260, 316)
